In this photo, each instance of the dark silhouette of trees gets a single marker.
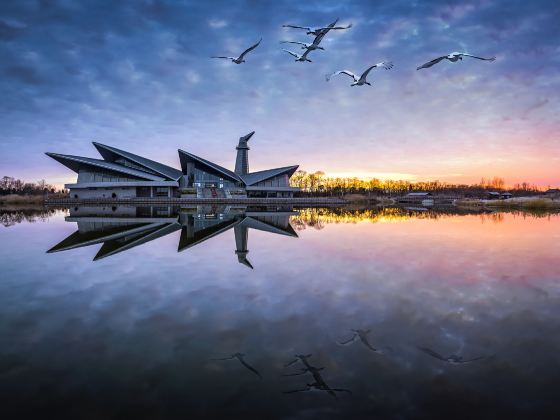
(11, 185)
(317, 184)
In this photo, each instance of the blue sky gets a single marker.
(137, 75)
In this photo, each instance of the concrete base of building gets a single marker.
(179, 201)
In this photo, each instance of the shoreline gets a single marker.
(223, 201)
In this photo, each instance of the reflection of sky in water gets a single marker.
(132, 333)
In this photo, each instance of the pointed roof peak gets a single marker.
(109, 152)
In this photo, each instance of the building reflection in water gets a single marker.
(120, 228)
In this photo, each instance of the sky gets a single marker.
(138, 75)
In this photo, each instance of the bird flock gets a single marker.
(319, 34)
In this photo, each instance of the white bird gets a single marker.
(240, 59)
(360, 81)
(305, 46)
(453, 57)
(300, 57)
(318, 31)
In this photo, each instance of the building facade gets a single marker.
(121, 175)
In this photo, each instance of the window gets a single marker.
(161, 191)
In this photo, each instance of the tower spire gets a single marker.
(242, 160)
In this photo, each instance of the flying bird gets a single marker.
(299, 57)
(360, 81)
(305, 46)
(452, 359)
(241, 58)
(240, 357)
(453, 57)
(317, 31)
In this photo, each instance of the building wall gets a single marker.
(204, 179)
(277, 181)
(123, 192)
(86, 175)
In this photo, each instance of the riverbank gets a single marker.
(518, 203)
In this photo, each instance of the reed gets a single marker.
(20, 199)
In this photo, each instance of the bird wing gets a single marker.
(221, 56)
(303, 372)
(252, 369)
(324, 387)
(431, 63)
(350, 340)
(479, 58)
(365, 341)
(346, 72)
(296, 27)
(386, 65)
(291, 363)
(341, 390)
(432, 353)
(318, 38)
(251, 48)
(297, 390)
(328, 28)
(225, 358)
(304, 56)
(473, 359)
(321, 32)
(293, 42)
(292, 53)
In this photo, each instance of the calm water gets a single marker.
(114, 322)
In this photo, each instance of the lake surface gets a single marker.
(124, 314)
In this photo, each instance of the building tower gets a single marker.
(242, 161)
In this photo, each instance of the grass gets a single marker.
(531, 204)
(20, 199)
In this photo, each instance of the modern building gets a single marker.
(212, 180)
(121, 175)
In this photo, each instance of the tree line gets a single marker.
(11, 185)
(316, 183)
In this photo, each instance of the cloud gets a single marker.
(217, 23)
(24, 74)
(10, 30)
(94, 68)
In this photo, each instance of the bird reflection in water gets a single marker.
(240, 357)
(362, 336)
(452, 359)
(319, 383)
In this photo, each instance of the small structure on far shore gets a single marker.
(425, 198)
(419, 194)
(495, 195)
(552, 193)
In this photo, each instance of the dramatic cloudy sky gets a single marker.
(137, 75)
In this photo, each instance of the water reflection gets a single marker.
(317, 218)
(132, 335)
(121, 228)
(318, 384)
(11, 216)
